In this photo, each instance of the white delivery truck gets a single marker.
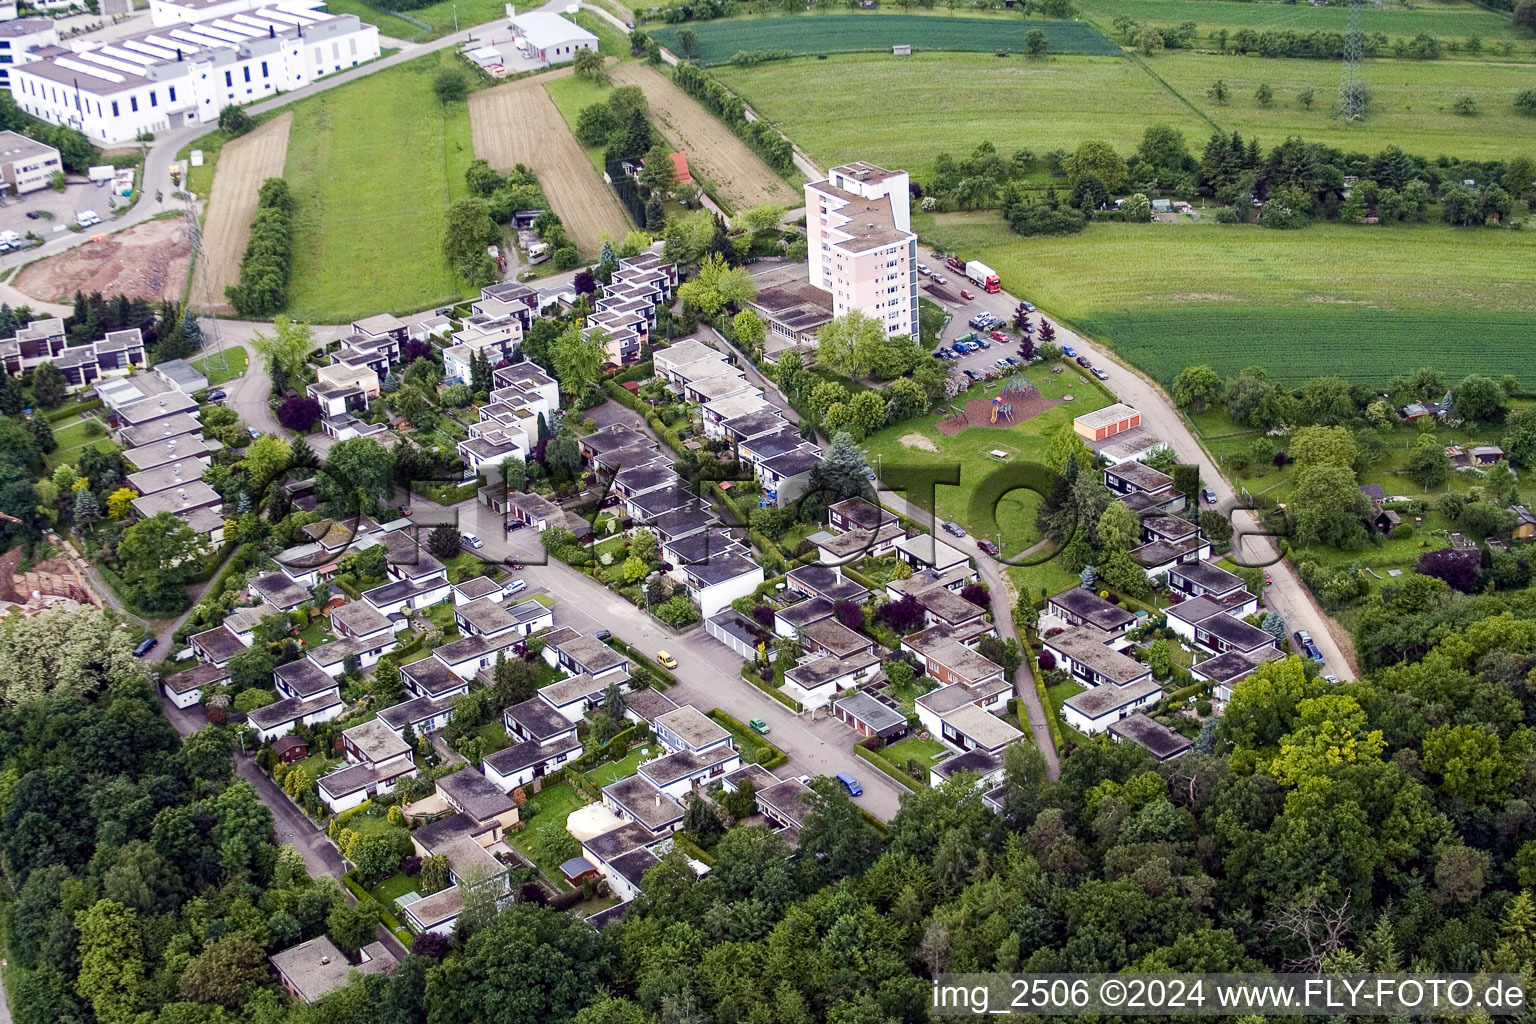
(983, 275)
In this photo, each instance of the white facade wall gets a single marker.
(284, 728)
(174, 92)
(714, 598)
(184, 700)
(1093, 726)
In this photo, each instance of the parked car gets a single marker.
(665, 660)
(512, 563)
(759, 726)
(940, 279)
(1302, 638)
(973, 375)
(1207, 495)
(1000, 337)
(1029, 307)
(1331, 678)
(1013, 360)
(513, 587)
(983, 343)
(33, 215)
(987, 546)
(1315, 654)
(954, 529)
(850, 783)
(473, 541)
(1068, 351)
(922, 268)
(1001, 364)
(1100, 374)
(145, 646)
(87, 218)
(253, 432)
(967, 296)
(217, 395)
(515, 524)
(936, 255)
(1083, 361)
(602, 634)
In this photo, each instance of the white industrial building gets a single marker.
(26, 164)
(548, 38)
(182, 12)
(155, 81)
(18, 39)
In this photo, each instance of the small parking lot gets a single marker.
(78, 194)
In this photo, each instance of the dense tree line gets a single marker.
(764, 139)
(268, 260)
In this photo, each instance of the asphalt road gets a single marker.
(1286, 594)
(708, 672)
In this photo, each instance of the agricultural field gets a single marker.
(373, 241)
(571, 94)
(904, 111)
(519, 123)
(244, 163)
(1331, 298)
(735, 174)
(719, 41)
(1410, 103)
(1444, 20)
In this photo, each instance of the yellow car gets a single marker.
(665, 660)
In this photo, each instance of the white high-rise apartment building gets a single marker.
(861, 246)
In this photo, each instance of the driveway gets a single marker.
(1286, 594)
(708, 673)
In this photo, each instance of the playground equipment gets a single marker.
(1001, 409)
(1021, 388)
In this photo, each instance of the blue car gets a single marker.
(1315, 654)
(850, 783)
(1068, 350)
(145, 646)
(983, 343)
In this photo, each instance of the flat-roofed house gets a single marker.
(815, 682)
(1094, 710)
(1156, 738)
(280, 719)
(1091, 656)
(687, 728)
(378, 758)
(1082, 607)
(958, 715)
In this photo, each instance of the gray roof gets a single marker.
(1102, 700)
(1093, 609)
(478, 587)
(1089, 646)
(417, 709)
(538, 720)
(822, 671)
(376, 741)
(485, 616)
(869, 710)
(304, 677)
(824, 581)
(476, 647)
(649, 704)
(166, 475)
(1232, 630)
(358, 777)
(280, 591)
(722, 567)
(432, 675)
(1208, 575)
(183, 374)
(641, 800)
(692, 726)
(634, 864)
(291, 710)
(567, 691)
(618, 841)
(669, 768)
(591, 654)
(975, 760)
(1163, 742)
(158, 453)
(200, 675)
(360, 618)
(477, 795)
(786, 798)
(317, 967)
(1141, 476)
(510, 760)
(219, 643)
(1233, 665)
(837, 638)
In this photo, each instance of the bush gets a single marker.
(263, 287)
(233, 121)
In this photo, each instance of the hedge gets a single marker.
(777, 758)
(763, 138)
(886, 768)
(638, 372)
(264, 269)
(1045, 701)
(391, 922)
(663, 679)
(64, 412)
(752, 677)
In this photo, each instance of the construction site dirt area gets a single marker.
(518, 123)
(145, 262)
(244, 164)
(738, 176)
(978, 413)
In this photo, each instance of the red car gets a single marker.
(1000, 337)
(987, 546)
(967, 296)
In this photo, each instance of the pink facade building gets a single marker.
(862, 249)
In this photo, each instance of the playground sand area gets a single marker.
(978, 412)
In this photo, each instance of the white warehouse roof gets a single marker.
(544, 30)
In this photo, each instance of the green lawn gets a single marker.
(392, 888)
(540, 835)
(933, 103)
(613, 771)
(718, 41)
(72, 439)
(373, 165)
(925, 752)
(1058, 695)
(1410, 103)
(224, 365)
(1445, 20)
(392, 27)
(611, 41)
(570, 95)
